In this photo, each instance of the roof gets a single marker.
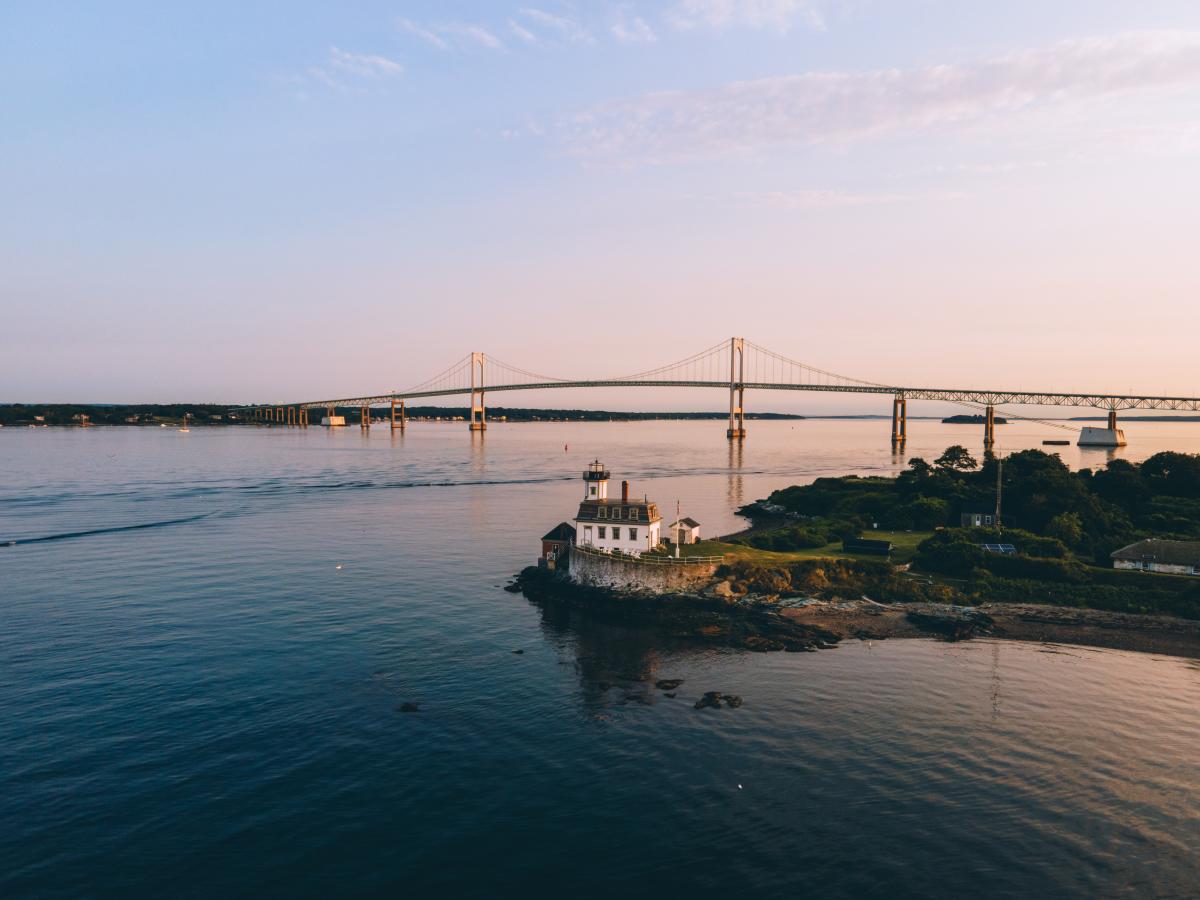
(686, 522)
(616, 509)
(1171, 553)
(563, 531)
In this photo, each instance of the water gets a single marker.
(208, 705)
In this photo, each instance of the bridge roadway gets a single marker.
(983, 397)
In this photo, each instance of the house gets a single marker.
(684, 531)
(629, 526)
(555, 544)
(978, 519)
(1154, 555)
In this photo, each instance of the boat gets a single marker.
(186, 416)
(1058, 443)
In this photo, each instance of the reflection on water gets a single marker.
(205, 689)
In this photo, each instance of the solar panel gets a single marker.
(998, 548)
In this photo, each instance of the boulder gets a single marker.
(711, 700)
(668, 684)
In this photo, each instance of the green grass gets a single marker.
(905, 547)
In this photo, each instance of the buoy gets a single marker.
(739, 787)
(339, 565)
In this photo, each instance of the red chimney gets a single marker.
(624, 491)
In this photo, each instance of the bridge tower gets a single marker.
(989, 426)
(899, 419)
(737, 389)
(478, 410)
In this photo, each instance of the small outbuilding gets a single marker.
(684, 531)
(556, 543)
(978, 519)
(1154, 555)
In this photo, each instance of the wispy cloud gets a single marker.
(341, 68)
(819, 199)
(363, 65)
(522, 32)
(718, 15)
(835, 106)
(632, 29)
(565, 28)
(441, 34)
(423, 33)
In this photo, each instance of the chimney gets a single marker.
(624, 491)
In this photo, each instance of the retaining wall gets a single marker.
(601, 570)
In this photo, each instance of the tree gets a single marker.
(956, 459)
(1067, 527)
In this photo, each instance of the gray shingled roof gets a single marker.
(1171, 553)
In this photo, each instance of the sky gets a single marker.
(278, 202)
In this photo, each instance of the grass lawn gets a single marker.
(905, 546)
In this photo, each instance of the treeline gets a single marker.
(113, 414)
(1091, 512)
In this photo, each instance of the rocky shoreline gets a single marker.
(767, 623)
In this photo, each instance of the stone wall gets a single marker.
(601, 570)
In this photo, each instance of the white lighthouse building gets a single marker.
(630, 526)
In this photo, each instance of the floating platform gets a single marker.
(1057, 443)
(333, 421)
(1101, 437)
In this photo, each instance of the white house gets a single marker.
(631, 526)
(1152, 555)
(684, 531)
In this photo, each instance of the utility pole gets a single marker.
(677, 527)
(999, 489)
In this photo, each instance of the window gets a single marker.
(633, 513)
(602, 513)
(616, 534)
(591, 490)
(633, 534)
(616, 512)
(602, 530)
(587, 534)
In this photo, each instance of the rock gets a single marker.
(669, 694)
(711, 700)
(951, 627)
(723, 589)
(513, 588)
(518, 651)
(733, 701)
(409, 707)
(668, 684)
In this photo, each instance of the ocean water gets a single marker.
(205, 639)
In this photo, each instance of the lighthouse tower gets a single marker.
(595, 482)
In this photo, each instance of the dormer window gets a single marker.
(616, 512)
(633, 513)
(602, 513)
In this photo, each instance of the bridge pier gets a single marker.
(478, 408)
(737, 390)
(899, 420)
(1112, 419)
(304, 417)
(403, 420)
(364, 416)
(989, 426)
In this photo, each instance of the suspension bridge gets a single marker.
(735, 365)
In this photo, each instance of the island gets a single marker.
(930, 552)
(963, 419)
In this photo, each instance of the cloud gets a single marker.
(363, 65)
(719, 15)
(522, 32)
(819, 199)
(632, 29)
(436, 34)
(567, 29)
(470, 32)
(819, 107)
(423, 33)
(342, 67)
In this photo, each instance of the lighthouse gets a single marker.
(595, 481)
(626, 525)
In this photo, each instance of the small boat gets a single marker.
(186, 416)
(1058, 443)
